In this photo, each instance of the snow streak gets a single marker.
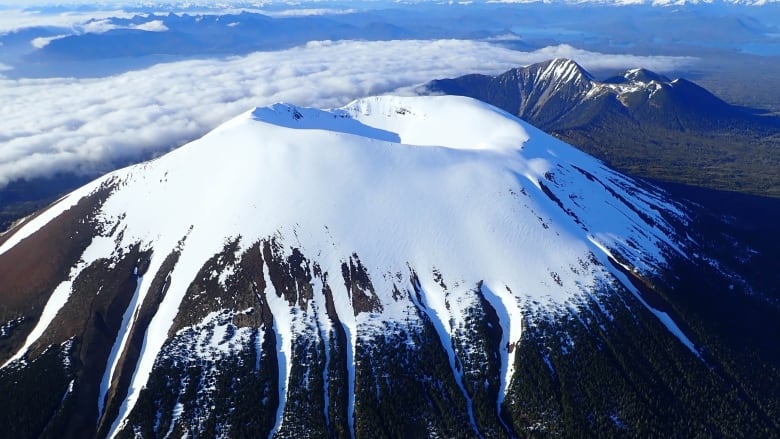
(437, 314)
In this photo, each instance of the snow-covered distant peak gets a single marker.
(564, 70)
(644, 76)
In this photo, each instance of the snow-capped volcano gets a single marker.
(312, 252)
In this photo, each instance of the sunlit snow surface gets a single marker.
(447, 188)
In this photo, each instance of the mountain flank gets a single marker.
(391, 268)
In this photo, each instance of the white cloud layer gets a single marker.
(12, 20)
(89, 125)
(41, 42)
(105, 25)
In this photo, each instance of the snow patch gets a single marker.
(510, 318)
(119, 344)
(283, 328)
(663, 317)
(434, 305)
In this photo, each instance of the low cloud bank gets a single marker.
(88, 126)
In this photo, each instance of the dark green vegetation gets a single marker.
(640, 123)
(212, 396)
(627, 377)
(596, 376)
(725, 75)
(34, 399)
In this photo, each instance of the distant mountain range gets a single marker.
(399, 267)
(640, 122)
(172, 36)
